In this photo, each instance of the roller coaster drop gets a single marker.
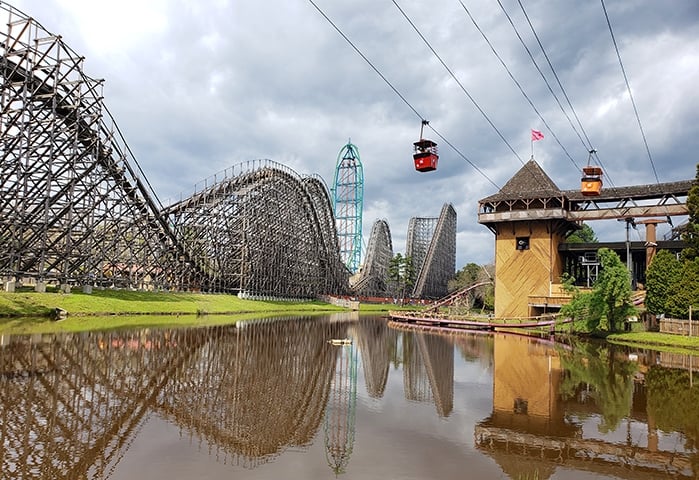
(75, 208)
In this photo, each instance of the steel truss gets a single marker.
(373, 276)
(75, 207)
(431, 245)
(348, 200)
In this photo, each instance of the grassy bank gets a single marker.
(656, 340)
(123, 302)
(30, 312)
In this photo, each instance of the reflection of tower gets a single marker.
(526, 392)
(340, 413)
(348, 199)
(374, 340)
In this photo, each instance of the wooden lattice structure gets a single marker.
(72, 405)
(261, 229)
(431, 245)
(372, 279)
(76, 209)
(428, 370)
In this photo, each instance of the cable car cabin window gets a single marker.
(591, 182)
(522, 243)
(425, 155)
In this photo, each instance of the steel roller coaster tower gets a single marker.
(348, 199)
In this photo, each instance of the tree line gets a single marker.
(672, 282)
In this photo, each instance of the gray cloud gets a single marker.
(197, 87)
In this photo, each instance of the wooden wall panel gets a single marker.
(521, 273)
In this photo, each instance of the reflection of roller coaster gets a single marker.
(76, 209)
(71, 406)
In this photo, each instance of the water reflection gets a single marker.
(428, 370)
(340, 413)
(545, 408)
(72, 405)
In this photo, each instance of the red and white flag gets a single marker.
(537, 135)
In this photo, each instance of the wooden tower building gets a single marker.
(529, 219)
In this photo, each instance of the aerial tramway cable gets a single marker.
(395, 90)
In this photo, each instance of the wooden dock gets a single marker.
(434, 319)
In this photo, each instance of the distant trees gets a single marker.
(472, 273)
(585, 235)
(401, 275)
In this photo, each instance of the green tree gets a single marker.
(578, 309)
(609, 303)
(691, 234)
(585, 235)
(662, 279)
(401, 274)
(611, 293)
(468, 275)
(686, 291)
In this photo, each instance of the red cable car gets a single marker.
(425, 154)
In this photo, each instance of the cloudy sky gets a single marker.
(198, 86)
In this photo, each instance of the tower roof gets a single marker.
(529, 182)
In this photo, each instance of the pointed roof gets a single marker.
(529, 182)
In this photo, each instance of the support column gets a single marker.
(651, 241)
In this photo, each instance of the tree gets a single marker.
(691, 234)
(611, 293)
(578, 309)
(466, 276)
(686, 292)
(662, 279)
(609, 303)
(402, 274)
(585, 235)
(470, 274)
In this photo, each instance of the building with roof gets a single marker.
(531, 219)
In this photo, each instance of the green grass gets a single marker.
(109, 302)
(656, 340)
(30, 312)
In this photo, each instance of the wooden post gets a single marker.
(690, 320)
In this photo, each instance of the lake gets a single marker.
(277, 398)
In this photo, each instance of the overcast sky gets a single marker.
(198, 86)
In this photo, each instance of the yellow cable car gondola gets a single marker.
(425, 154)
(591, 181)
